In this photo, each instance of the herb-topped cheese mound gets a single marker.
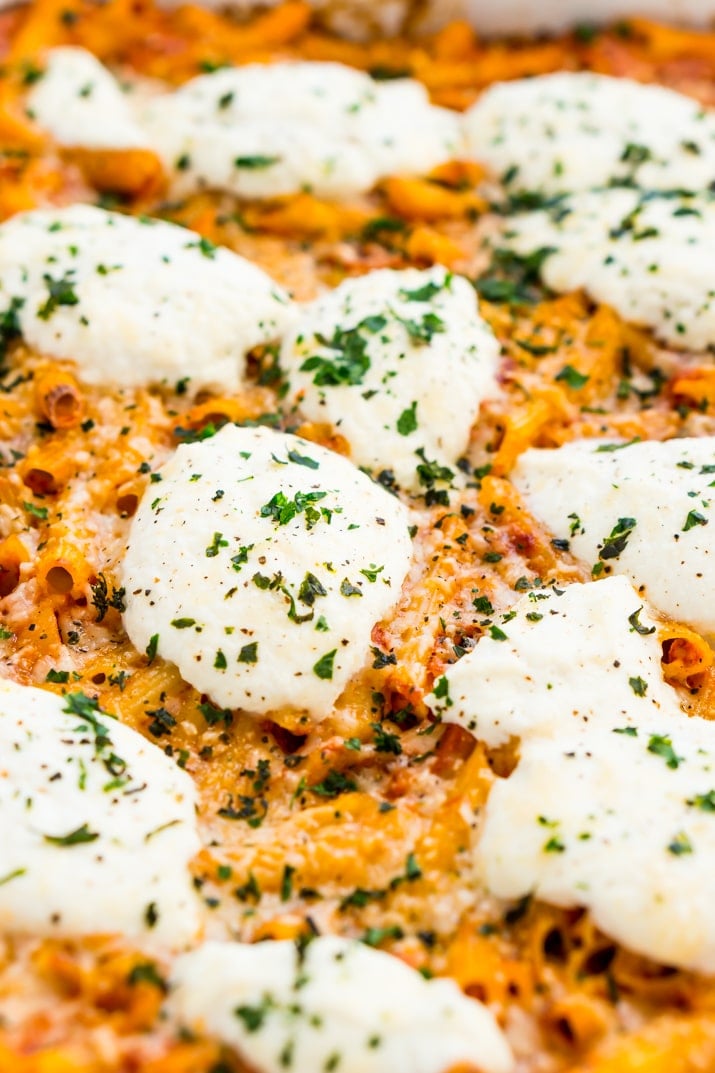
(639, 509)
(259, 565)
(650, 256)
(576, 131)
(265, 130)
(97, 825)
(399, 362)
(79, 102)
(611, 805)
(332, 1004)
(134, 301)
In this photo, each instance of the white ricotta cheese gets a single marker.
(576, 130)
(651, 257)
(643, 510)
(264, 130)
(612, 803)
(97, 825)
(332, 1004)
(135, 301)
(260, 563)
(399, 362)
(80, 103)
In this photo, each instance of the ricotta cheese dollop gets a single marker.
(135, 301)
(572, 131)
(611, 805)
(332, 1004)
(651, 257)
(97, 824)
(639, 509)
(80, 103)
(399, 362)
(259, 565)
(265, 130)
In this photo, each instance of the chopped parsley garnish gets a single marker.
(303, 460)
(348, 589)
(483, 605)
(386, 742)
(421, 331)
(617, 539)
(36, 512)
(241, 557)
(334, 784)
(376, 936)
(61, 292)
(282, 510)
(426, 292)
(607, 448)
(253, 1016)
(572, 377)
(371, 572)
(256, 162)
(324, 667)
(639, 686)
(662, 746)
(249, 653)
(74, 838)
(680, 845)
(351, 361)
(183, 623)
(152, 647)
(706, 802)
(554, 845)
(216, 544)
(146, 972)
(694, 518)
(102, 599)
(310, 589)
(407, 421)
(637, 625)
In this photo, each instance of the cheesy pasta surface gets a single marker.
(358, 800)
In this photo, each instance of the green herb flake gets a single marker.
(249, 653)
(256, 162)
(324, 667)
(637, 625)
(152, 647)
(407, 421)
(680, 845)
(74, 838)
(615, 543)
(218, 542)
(572, 377)
(694, 518)
(662, 746)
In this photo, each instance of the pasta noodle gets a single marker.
(362, 825)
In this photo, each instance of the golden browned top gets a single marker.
(362, 827)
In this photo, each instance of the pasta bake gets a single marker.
(356, 584)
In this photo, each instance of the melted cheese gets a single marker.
(261, 562)
(97, 825)
(651, 258)
(135, 301)
(645, 510)
(79, 102)
(576, 131)
(385, 357)
(267, 130)
(612, 802)
(334, 1005)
